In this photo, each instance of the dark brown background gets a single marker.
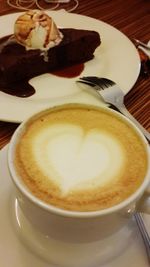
(132, 17)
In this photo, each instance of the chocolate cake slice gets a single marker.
(19, 64)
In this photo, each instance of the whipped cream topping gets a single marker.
(36, 30)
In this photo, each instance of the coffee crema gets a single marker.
(80, 158)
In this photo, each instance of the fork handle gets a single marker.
(124, 111)
(146, 238)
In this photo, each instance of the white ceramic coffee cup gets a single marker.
(73, 226)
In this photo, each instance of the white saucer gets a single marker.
(123, 249)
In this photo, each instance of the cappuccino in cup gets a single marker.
(80, 158)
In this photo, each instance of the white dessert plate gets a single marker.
(14, 253)
(116, 58)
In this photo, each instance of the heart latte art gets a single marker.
(73, 159)
(80, 159)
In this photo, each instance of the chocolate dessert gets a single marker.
(24, 55)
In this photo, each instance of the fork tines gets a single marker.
(93, 80)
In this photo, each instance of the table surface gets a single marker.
(132, 17)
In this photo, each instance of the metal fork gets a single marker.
(112, 94)
(142, 46)
(144, 233)
(138, 42)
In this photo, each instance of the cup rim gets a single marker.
(68, 213)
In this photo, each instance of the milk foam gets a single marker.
(75, 159)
